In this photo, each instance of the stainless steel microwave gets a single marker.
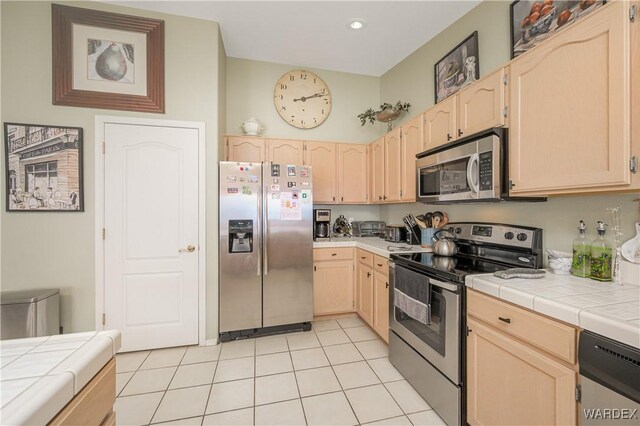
(472, 169)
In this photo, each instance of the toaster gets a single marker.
(368, 228)
(396, 234)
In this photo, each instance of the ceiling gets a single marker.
(315, 34)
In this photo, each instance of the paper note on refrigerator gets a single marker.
(290, 207)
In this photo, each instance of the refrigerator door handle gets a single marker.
(265, 237)
(259, 234)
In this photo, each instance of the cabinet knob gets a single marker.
(379, 264)
(384, 197)
(334, 254)
(363, 257)
(507, 320)
(459, 132)
(368, 274)
(334, 198)
(386, 285)
(379, 197)
(448, 136)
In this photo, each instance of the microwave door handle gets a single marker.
(472, 173)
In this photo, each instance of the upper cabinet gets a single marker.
(482, 105)
(376, 170)
(352, 173)
(322, 156)
(392, 166)
(570, 113)
(412, 135)
(440, 123)
(245, 149)
(285, 151)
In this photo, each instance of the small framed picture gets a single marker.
(533, 21)
(44, 168)
(458, 68)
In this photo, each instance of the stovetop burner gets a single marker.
(482, 248)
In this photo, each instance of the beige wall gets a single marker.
(57, 249)
(411, 80)
(250, 94)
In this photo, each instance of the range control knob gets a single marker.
(450, 229)
(508, 235)
(458, 230)
(522, 237)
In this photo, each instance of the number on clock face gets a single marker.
(302, 99)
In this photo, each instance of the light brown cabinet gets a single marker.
(412, 135)
(352, 173)
(285, 151)
(517, 369)
(333, 281)
(245, 149)
(381, 297)
(570, 108)
(322, 156)
(440, 123)
(482, 105)
(376, 172)
(364, 298)
(392, 166)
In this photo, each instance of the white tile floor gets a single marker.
(337, 374)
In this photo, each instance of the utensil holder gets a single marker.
(427, 237)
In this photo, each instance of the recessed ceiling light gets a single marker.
(357, 24)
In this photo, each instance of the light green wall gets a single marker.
(411, 80)
(250, 94)
(57, 249)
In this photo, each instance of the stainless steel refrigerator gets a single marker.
(266, 248)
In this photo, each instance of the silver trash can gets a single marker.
(29, 313)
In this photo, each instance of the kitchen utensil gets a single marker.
(520, 273)
(415, 235)
(631, 249)
(444, 220)
(439, 215)
(436, 221)
(420, 223)
(445, 245)
(428, 216)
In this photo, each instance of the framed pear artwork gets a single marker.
(302, 99)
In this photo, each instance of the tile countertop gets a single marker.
(40, 375)
(374, 245)
(603, 308)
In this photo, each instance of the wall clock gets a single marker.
(302, 99)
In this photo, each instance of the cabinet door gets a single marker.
(321, 156)
(412, 135)
(352, 173)
(392, 169)
(440, 123)
(282, 151)
(510, 383)
(365, 293)
(333, 289)
(569, 102)
(245, 149)
(381, 305)
(376, 172)
(481, 105)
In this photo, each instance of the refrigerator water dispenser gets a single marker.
(240, 236)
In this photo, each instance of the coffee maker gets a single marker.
(321, 223)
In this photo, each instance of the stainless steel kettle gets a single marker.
(444, 245)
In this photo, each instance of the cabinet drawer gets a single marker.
(365, 257)
(546, 334)
(381, 265)
(341, 253)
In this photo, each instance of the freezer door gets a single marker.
(240, 246)
(288, 240)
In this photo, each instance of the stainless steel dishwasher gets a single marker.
(610, 381)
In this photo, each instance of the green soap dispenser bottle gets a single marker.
(601, 256)
(581, 265)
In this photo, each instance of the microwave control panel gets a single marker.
(486, 170)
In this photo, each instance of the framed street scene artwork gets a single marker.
(44, 168)
(533, 21)
(107, 60)
(458, 68)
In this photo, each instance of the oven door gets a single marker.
(438, 341)
(466, 172)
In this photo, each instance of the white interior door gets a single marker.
(151, 235)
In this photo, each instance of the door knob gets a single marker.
(190, 249)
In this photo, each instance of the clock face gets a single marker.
(302, 99)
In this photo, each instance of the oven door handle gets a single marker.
(446, 286)
(472, 173)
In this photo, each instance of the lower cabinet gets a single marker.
(510, 382)
(381, 297)
(365, 292)
(333, 282)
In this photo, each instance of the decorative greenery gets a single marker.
(370, 114)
